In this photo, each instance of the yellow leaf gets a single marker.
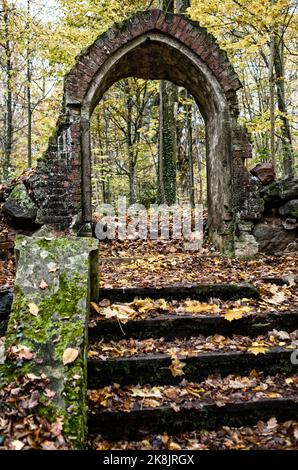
(232, 315)
(174, 446)
(193, 306)
(289, 381)
(273, 395)
(95, 307)
(33, 309)
(162, 304)
(195, 391)
(236, 313)
(70, 355)
(257, 350)
(176, 367)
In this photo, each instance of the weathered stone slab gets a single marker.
(47, 328)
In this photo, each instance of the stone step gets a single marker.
(223, 291)
(137, 424)
(154, 368)
(263, 435)
(181, 326)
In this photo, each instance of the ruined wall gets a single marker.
(150, 45)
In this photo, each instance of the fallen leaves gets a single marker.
(257, 348)
(17, 445)
(33, 309)
(236, 313)
(194, 306)
(193, 346)
(176, 367)
(70, 355)
(214, 389)
(270, 435)
(22, 427)
(43, 285)
(20, 352)
(52, 267)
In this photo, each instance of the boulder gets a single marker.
(246, 246)
(289, 209)
(289, 224)
(280, 191)
(273, 238)
(19, 209)
(264, 172)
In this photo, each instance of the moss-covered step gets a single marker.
(171, 326)
(136, 424)
(47, 329)
(154, 368)
(198, 291)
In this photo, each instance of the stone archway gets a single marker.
(150, 45)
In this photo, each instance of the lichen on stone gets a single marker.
(54, 275)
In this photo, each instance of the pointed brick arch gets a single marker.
(150, 45)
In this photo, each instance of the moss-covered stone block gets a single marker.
(50, 315)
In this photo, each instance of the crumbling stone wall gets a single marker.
(150, 45)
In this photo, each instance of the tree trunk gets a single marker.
(286, 138)
(272, 98)
(129, 139)
(29, 106)
(182, 5)
(8, 96)
(167, 143)
(190, 154)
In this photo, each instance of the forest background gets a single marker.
(148, 137)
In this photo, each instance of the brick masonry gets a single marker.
(167, 46)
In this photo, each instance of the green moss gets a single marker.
(20, 195)
(60, 323)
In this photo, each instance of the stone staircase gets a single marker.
(133, 396)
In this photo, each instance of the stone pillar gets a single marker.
(47, 331)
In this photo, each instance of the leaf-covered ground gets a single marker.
(21, 426)
(214, 389)
(270, 435)
(189, 347)
(141, 263)
(7, 273)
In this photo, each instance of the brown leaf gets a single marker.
(43, 285)
(22, 352)
(57, 427)
(70, 355)
(52, 267)
(272, 423)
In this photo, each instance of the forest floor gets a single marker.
(148, 264)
